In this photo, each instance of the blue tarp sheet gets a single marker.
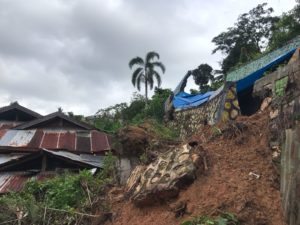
(251, 78)
(184, 100)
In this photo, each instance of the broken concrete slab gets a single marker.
(163, 178)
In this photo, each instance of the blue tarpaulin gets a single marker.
(249, 80)
(184, 100)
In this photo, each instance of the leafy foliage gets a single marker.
(110, 118)
(67, 194)
(163, 131)
(202, 75)
(207, 78)
(223, 219)
(134, 112)
(113, 118)
(246, 38)
(155, 108)
(76, 117)
(287, 28)
(145, 71)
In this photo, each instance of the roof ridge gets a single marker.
(53, 115)
(16, 105)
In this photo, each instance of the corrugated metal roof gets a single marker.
(5, 158)
(85, 160)
(20, 139)
(88, 141)
(92, 160)
(8, 124)
(15, 181)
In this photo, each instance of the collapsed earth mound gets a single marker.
(240, 178)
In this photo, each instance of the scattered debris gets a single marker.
(274, 114)
(179, 208)
(265, 104)
(134, 140)
(254, 175)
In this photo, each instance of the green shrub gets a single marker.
(163, 131)
(65, 194)
(223, 219)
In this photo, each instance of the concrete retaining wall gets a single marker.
(222, 106)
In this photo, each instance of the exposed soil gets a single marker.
(226, 186)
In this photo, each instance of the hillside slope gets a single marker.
(226, 186)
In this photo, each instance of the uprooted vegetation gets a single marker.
(146, 140)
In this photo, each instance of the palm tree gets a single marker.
(145, 71)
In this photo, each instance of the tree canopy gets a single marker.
(247, 38)
(287, 28)
(202, 75)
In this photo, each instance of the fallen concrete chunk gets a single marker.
(134, 179)
(163, 178)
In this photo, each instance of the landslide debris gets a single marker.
(163, 178)
(240, 178)
(148, 138)
(134, 139)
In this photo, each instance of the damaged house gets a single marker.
(36, 147)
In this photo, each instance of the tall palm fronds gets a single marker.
(145, 71)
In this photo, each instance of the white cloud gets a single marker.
(75, 53)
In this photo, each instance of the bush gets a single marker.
(163, 131)
(115, 117)
(223, 219)
(65, 195)
(155, 108)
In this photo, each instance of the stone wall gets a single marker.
(223, 105)
(284, 137)
(268, 84)
(190, 120)
(231, 109)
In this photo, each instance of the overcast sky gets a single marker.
(74, 54)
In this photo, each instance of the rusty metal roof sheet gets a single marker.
(15, 181)
(79, 141)
(8, 124)
(17, 139)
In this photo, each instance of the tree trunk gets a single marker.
(146, 90)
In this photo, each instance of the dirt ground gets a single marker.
(226, 186)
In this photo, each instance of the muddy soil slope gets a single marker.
(228, 185)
